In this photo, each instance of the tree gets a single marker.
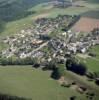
(73, 98)
(56, 73)
(74, 66)
(97, 81)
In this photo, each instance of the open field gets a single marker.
(86, 24)
(33, 83)
(92, 62)
(95, 49)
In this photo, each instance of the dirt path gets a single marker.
(61, 80)
(84, 56)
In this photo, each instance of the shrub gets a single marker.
(56, 74)
(9, 97)
(97, 81)
(93, 75)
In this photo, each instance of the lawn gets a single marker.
(32, 83)
(92, 64)
(95, 49)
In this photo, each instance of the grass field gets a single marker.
(92, 62)
(95, 49)
(32, 83)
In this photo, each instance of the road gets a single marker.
(39, 48)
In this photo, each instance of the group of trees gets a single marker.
(16, 9)
(18, 61)
(58, 71)
(56, 68)
(11, 10)
(73, 65)
(75, 18)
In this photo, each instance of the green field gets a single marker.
(24, 81)
(92, 62)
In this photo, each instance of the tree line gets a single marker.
(9, 97)
(17, 61)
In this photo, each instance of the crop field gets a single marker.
(86, 24)
(24, 81)
(91, 14)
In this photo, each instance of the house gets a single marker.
(83, 50)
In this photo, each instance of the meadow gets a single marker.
(25, 81)
(92, 63)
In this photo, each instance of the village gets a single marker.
(33, 41)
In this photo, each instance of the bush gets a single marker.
(64, 84)
(56, 74)
(93, 75)
(58, 71)
(92, 54)
(97, 81)
(61, 69)
(8, 97)
(73, 98)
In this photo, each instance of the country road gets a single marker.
(41, 46)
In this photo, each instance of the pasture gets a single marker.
(25, 81)
(91, 62)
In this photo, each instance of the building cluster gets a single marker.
(28, 41)
(31, 42)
